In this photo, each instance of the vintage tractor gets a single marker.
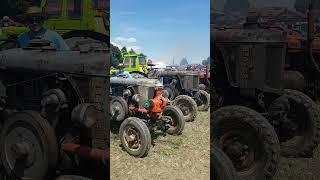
(185, 83)
(137, 65)
(142, 108)
(53, 113)
(84, 24)
(257, 119)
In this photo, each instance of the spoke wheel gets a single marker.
(135, 137)
(28, 146)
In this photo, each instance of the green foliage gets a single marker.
(132, 51)
(116, 56)
(124, 50)
(141, 54)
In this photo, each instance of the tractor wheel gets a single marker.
(221, 166)
(299, 126)
(29, 147)
(248, 139)
(176, 120)
(137, 75)
(135, 137)
(202, 87)
(118, 108)
(294, 80)
(203, 100)
(188, 107)
(172, 92)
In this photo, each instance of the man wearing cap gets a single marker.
(34, 19)
(122, 72)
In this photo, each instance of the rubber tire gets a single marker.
(48, 135)
(206, 95)
(179, 119)
(145, 136)
(221, 166)
(313, 111)
(124, 105)
(202, 87)
(265, 132)
(191, 102)
(172, 91)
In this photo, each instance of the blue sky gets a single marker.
(163, 29)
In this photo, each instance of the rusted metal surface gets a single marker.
(86, 152)
(90, 63)
(137, 82)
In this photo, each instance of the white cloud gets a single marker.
(123, 40)
(135, 48)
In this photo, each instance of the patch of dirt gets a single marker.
(172, 157)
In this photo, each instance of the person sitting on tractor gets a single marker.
(34, 19)
(122, 72)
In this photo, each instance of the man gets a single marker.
(122, 72)
(34, 19)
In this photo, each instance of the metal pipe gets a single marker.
(86, 152)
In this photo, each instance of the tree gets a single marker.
(184, 61)
(124, 50)
(141, 54)
(132, 51)
(116, 56)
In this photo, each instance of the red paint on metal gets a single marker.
(86, 152)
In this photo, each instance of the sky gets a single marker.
(162, 29)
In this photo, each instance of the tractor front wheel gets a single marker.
(203, 100)
(135, 137)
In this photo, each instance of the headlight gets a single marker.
(136, 98)
(84, 114)
(165, 94)
(126, 93)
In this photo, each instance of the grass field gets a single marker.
(172, 157)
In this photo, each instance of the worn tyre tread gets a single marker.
(261, 125)
(194, 105)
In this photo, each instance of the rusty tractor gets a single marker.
(53, 113)
(141, 105)
(257, 119)
(183, 89)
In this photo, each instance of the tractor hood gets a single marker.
(46, 61)
(138, 82)
(248, 35)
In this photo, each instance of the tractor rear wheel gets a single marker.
(221, 166)
(248, 139)
(177, 121)
(188, 107)
(203, 100)
(298, 127)
(135, 137)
